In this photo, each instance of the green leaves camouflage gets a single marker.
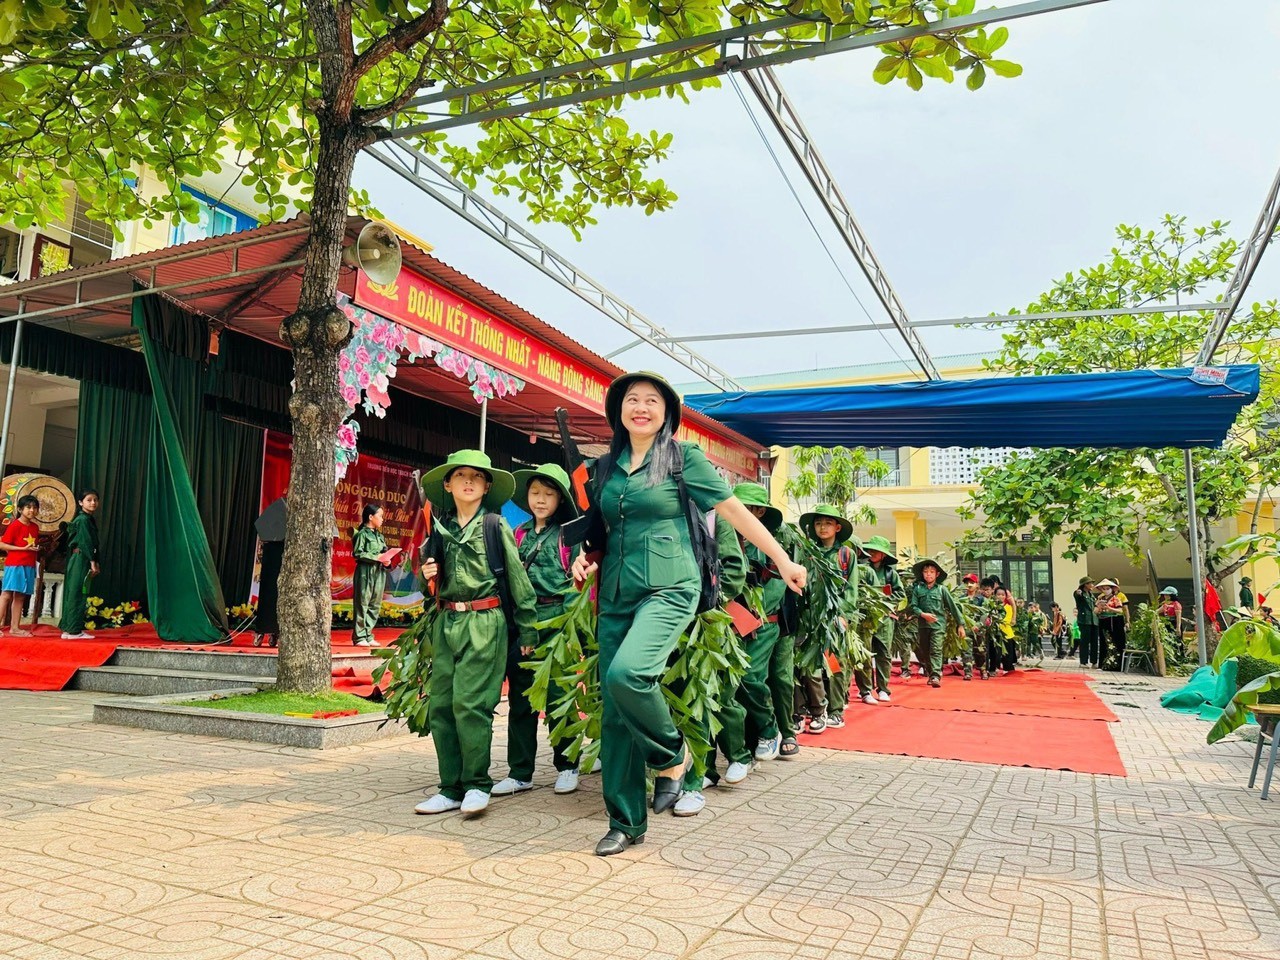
(709, 663)
(408, 661)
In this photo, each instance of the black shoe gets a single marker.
(666, 790)
(615, 841)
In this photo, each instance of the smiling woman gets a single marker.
(648, 567)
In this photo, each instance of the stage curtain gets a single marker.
(112, 444)
(184, 595)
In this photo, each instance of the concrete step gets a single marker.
(231, 663)
(151, 682)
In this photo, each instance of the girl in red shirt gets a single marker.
(19, 542)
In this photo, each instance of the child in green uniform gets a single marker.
(370, 578)
(755, 692)
(880, 572)
(649, 589)
(731, 739)
(932, 603)
(81, 540)
(543, 493)
(824, 695)
(471, 635)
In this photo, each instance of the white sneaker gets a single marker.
(867, 698)
(505, 788)
(768, 749)
(690, 804)
(707, 783)
(736, 773)
(437, 804)
(883, 696)
(474, 802)
(566, 782)
(835, 721)
(77, 636)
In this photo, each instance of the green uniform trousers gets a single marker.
(731, 741)
(838, 689)
(755, 693)
(74, 608)
(881, 644)
(637, 634)
(466, 685)
(973, 651)
(782, 684)
(366, 604)
(522, 721)
(811, 694)
(929, 640)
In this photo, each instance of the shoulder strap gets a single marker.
(566, 555)
(846, 557)
(497, 558)
(521, 532)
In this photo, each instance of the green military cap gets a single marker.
(826, 510)
(919, 565)
(1084, 580)
(618, 389)
(552, 474)
(501, 483)
(754, 495)
(880, 543)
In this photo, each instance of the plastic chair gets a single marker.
(1267, 715)
(1130, 658)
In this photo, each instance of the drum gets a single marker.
(57, 503)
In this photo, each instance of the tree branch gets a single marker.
(401, 39)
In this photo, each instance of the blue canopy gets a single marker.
(1142, 408)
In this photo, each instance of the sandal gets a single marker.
(789, 748)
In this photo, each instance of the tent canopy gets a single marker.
(1144, 408)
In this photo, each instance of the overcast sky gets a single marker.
(974, 202)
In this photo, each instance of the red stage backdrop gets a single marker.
(368, 479)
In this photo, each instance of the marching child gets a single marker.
(472, 633)
(881, 573)
(370, 577)
(82, 564)
(544, 494)
(932, 603)
(20, 546)
(823, 695)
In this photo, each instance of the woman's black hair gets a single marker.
(369, 510)
(663, 458)
(87, 492)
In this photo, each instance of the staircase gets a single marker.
(147, 672)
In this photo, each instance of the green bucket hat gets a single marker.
(1084, 580)
(553, 474)
(1169, 592)
(919, 565)
(754, 495)
(826, 510)
(1246, 579)
(618, 389)
(501, 484)
(883, 545)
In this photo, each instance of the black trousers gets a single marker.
(1088, 643)
(1111, 634)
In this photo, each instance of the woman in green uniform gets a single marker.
(649, 587)
(370, 579)
(932, 603)
(82, 565)
(544, 494)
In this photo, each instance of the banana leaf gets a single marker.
(708, 666)
(1248, 638)
(408, 660)
(1236, 713)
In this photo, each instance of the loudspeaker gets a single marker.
(376, 252)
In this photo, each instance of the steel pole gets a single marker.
(1197, 569)
(484, 422)
(8, 396)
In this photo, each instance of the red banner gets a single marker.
(430, 309)
(368, 480)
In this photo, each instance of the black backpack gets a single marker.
(706, 552)
(433, 549)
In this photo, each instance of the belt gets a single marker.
(772, 618)
(548, 601)
(464, 606)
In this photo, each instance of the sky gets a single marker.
(973, 201)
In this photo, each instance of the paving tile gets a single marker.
(1145, 926)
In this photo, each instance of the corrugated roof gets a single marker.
(848, 374)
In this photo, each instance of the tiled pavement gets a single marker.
(122, 844)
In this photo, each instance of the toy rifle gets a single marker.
(587, 528)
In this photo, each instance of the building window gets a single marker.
(216, 220)
(950, 466)
(10, 254)
(890, 457)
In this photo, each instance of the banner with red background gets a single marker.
(369, 479)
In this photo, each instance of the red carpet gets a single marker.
(1026, 693)
(47, 662)
(1050, 721)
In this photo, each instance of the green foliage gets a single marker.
(821, 607)
(1099, 498)
(708, 666)
(1248, 638)
(1265, 688)
(94, 91)
(408, 661)
(1255, 646)
(830, 475)
(279, 704)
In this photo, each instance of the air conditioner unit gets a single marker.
(10, 252)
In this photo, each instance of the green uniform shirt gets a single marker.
(884, 575)
(367, 545)
(649, 546)
(775, 588)
(1246, 597)
(937, 600)
(733, 563)
(467, 575)
(849, 601)
(542, 559)
(1086, 616)
(82, 535)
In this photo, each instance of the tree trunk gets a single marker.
(316, 333)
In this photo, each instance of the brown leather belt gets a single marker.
(471, 606)
(548, 601)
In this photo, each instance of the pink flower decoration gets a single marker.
(344, 362)
(362, 377)
(380, 357)
(350, 395)
(379, 383)
(362, 355)
(347, 436)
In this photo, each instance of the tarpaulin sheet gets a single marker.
(1182, 408)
